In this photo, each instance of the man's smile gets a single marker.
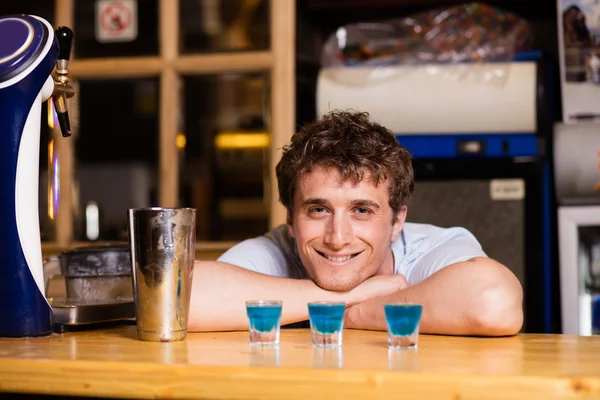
(338, 258)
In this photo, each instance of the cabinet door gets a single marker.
(158, 125)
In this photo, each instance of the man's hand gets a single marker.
(376, 286)
(478, 297)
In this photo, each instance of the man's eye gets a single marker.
(363, 210)
(317, 210)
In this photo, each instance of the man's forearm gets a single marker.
(477, 297)
(220, 291)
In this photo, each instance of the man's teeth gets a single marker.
(338, 259)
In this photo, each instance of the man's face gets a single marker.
(343, 230)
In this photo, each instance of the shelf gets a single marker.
(223, 62)
(347, 4)
(337, 12)
(204, 250)
(116, 67)
(186, 64)
(328, 4)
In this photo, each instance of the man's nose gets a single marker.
(338, 232)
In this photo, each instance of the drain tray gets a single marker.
(79, 312)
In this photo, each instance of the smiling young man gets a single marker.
(346, 183)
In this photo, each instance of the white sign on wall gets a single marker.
(116, 21)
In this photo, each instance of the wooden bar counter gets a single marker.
(111, 362)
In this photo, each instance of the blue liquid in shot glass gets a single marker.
(326, 318)
(264, 318)
(403, 319)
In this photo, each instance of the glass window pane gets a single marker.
(143, 40)
(225, 158)
(223, 25)
(116, 154)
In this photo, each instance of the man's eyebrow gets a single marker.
(315, 201)
(357, 202)
(365, 203)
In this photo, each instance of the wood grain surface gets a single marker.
(114, 363)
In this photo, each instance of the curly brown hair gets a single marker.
(354, 145)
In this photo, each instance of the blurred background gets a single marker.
(188, 103)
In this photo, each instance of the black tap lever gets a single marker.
(62, 88)
(64, 36)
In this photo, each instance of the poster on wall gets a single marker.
(579, 49)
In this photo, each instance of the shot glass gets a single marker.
(326, 323)
(264, 321)
(403, 325)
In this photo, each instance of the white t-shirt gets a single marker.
(419, 252)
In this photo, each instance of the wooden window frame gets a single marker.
(279, 60)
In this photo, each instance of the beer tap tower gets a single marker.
(30, 49)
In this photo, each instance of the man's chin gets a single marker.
(336, 285)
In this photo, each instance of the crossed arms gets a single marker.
(477, 297)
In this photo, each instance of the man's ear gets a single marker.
(290, 225)
(399, 222)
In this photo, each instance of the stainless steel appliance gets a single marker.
(577, 157)
(579, 240)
